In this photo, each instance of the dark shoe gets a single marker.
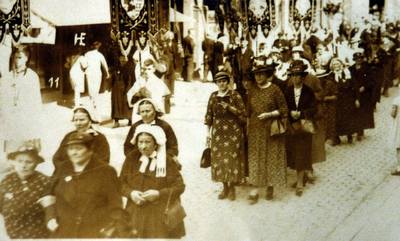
(299, 191)
(336, 142)
(223, 194)
(350, 139)
(270, 193)
(395, 173)
(232, 194)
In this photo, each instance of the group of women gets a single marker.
(83, 198)
(339, 103)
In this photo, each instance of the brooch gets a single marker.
(9, 195)
(67, 179)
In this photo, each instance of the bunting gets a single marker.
(261, 12)
(302, 11)
(14, 14)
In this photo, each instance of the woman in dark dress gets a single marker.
(87, 192)
(225, 118)
(362, 76)
(267, 155)
(83, 120)
(149, 177)
(347, 103)
(302, 104)
(123, 79)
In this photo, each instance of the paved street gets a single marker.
(354, 197)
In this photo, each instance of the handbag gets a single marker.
(205, 160)
(278, 127)
(305, 126)
(174, 214)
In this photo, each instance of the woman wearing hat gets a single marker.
(347, 102)
(302, 104)
(150, 178)
(365, 85)
(225, 120)
(21, 194)
(87, 192)
(267, 155)
(83, 120)
(150, 114)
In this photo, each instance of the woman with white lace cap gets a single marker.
(149, 178)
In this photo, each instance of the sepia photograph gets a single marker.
(200, 120)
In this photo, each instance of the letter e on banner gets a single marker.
(80, 38)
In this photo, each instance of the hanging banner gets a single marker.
(261, 12)
(302, 11)
(127, 18)
(14, 14)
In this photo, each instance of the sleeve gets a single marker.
(318, 91)
(280, 101)
(209, 114)
(128, 146)
(311, 108)
(239, 105)
(172, 141)
(104, 64)
(126, 172)
(248, 104)
(1, 197)
(102, 149)
(175, 183)
(113, 189)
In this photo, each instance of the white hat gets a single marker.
(160, 138)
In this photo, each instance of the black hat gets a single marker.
(79, 138)
(297, 67)
(221, 75)
(263, 68)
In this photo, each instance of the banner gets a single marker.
(14, 15)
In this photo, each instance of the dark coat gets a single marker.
(208, 48)
(123, 79)
(218, 55)
(171, 145)
(363, 78)
(188, 46)
(298, 146)
(148, 219)
(101, 149)
(85, 201)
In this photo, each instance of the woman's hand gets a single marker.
(47, 201)
(52, 225)
(224, 105)
(362, 89)
(264, 116)
(295, 114)
(151, 195)
(137, 197)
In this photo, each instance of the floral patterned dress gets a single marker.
(227, 140)
(24, 218)
(267, 155)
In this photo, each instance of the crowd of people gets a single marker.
(275, 108)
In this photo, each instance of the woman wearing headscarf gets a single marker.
(150, 181)
(225, 118)
(22, 192)
(150, 114)
(302, 104)
(83, 120)
(87, 192)
(347, 102)
(267, 155)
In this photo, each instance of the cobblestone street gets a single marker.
(352, 199)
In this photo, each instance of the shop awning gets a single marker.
(73, 12)
(179, 17)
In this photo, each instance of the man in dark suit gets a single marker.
(208, 47)
(188, 47)
(242, 63)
